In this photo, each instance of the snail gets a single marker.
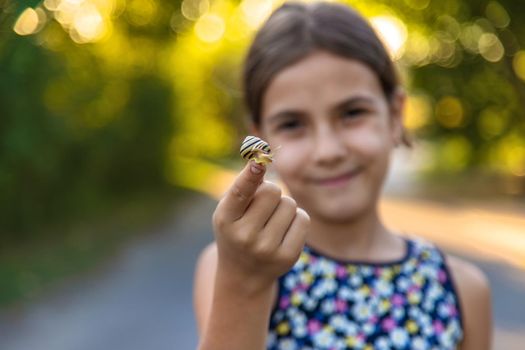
(254, 148)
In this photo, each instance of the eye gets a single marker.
(289, 125)
(354, 112)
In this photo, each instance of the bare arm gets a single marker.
(259, 236)
(475, 299)
(204, 289)
(203, 285)
(238, 321)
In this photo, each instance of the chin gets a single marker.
(338, 213)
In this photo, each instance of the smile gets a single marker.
(339, 180)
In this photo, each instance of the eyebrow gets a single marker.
(338, 107)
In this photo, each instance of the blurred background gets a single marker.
(119, 128)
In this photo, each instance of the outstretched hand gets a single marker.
(259, 233)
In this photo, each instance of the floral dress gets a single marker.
(329, 304)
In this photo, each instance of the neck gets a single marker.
(365, 238)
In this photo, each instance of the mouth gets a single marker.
(337, 180)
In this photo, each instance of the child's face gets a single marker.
(336, 130)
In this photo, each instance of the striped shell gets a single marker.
(254, 148)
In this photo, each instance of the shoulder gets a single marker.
(472, 283)
(203, 283)
(468, 277)
(473, 289)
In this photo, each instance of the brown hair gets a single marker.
(295, 30)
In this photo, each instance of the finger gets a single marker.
(237, 198)
(294, 239)
(265, 201)
(279, 222)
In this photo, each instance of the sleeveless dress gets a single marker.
(329, 304)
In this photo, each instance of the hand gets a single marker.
(260, 234)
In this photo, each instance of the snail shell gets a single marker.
(254, 148)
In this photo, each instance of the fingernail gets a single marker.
(256, 169)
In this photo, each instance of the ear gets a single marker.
(397, 104)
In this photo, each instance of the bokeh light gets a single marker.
(417, 50)
(393, 33)
(52, 5)
(142, 12)
(469, 37)
(256, 11)
(88, 25)
(210, 28)
(512, 154)
(86, 21)
(418, 111)
(30, 21)
(497, 14)
(193, 9)
(492, 121)
(518, 63)
(490, 47)
(449, 112)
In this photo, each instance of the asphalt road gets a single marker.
(141, 299)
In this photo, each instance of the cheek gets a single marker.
(289, 159)
(371, 139)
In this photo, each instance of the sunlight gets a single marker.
(85, 20)
(256, 11)
(88, 25)
(392, 32)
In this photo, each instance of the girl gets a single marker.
(319, 270)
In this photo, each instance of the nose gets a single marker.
(329, 146)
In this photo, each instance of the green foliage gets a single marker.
(75, 133)
(483, 80)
